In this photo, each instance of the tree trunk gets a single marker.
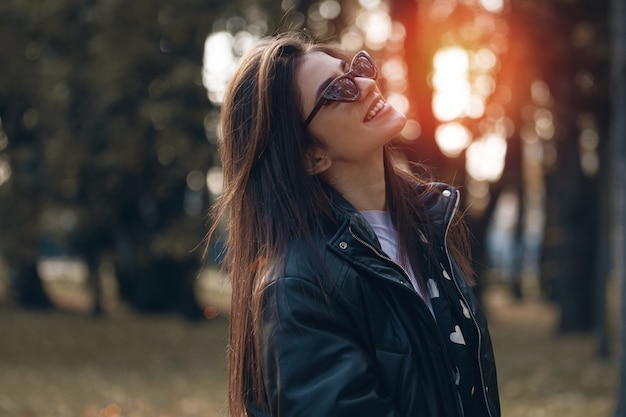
(602, 268)
(575, 256)
(27, 287)
(419, 54)
(618, 136)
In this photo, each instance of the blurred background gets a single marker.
(109, 115)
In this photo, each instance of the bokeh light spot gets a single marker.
(452, 138)
(399, 101)
(412, 130)
(218, 65)
(485, 158)
(214, 180)
(493, 6)
(330, 9)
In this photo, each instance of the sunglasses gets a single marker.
(344, 88)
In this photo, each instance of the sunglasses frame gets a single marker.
(328, 96)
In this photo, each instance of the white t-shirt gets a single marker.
(381, 223)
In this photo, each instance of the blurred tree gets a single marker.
(103, 149)
(618, 165)
(20, 164)
(570, 53)
(427, 31)
(553, 71)
(105, 129)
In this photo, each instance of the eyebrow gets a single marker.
(324, 85)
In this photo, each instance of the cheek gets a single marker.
(351, 147)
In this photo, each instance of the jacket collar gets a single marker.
(440, 201)
(348, 216)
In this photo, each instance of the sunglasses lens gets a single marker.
(342, 89)
(362, 66)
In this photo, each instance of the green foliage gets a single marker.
(103, 101)
(103, 110)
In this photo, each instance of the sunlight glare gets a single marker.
(475, 107)
(485, 59)
(444, 81)
(376, 25)
(451, 60)
(214, 181)
(450, 81)
(493, 6)
(450, 104)
(221, 52)
(452, 138)
(369, 4)
(485, 158)
(218, 65)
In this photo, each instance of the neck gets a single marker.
(363, 185)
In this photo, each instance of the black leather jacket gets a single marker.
(345, 334)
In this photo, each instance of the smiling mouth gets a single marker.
(374, 110)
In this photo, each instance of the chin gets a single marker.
(397, 121)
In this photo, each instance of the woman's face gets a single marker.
(350, 131)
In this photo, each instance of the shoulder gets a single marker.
(433, 194)
(310, 262)
(439, 201)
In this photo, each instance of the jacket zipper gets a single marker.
(456, 284)
(406, 285)
(380, 255)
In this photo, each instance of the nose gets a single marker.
(366, 86)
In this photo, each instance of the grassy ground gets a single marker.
(545, 375)
(67, 363)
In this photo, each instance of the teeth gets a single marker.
(375, 109)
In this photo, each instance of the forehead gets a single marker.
(315, 69)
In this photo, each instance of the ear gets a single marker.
(318, 161)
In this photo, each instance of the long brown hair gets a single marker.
(268, 197)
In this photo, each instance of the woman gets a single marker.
(347, 271)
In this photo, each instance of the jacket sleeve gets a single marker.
(313, 363)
